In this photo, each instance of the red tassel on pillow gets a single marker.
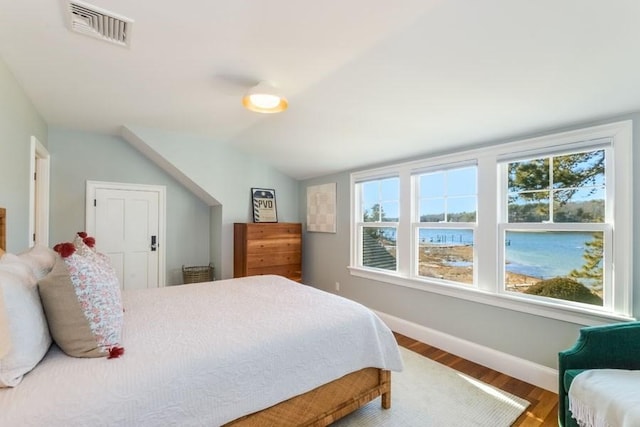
(89, 241)
(115, 352)
(64, 249)
(82, 234)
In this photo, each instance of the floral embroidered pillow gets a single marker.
(83, 304)
(85, 246)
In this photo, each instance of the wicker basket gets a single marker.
(197, 274)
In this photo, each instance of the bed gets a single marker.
(254, 351)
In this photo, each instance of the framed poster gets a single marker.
(321, 208)
(264, 205)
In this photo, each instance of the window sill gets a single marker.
(550, 310)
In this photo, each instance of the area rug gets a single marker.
(428, 393)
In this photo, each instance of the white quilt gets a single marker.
(204, 354)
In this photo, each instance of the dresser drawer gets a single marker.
(273, 245)
(273, 231)
(272, 258)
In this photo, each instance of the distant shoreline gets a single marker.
(556, 253)
(440, 261)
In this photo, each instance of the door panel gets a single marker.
(125, 220)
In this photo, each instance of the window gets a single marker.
(378, 203)
(445, 223)
(557, 227)
(531, 225)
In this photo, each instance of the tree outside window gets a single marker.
(547, 194)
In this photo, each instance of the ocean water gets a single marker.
(546, 255)
(542, 255)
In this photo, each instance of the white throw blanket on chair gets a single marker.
(606, 398)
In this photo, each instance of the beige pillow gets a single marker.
(83, 305)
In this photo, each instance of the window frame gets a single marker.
(487, 275)
(360, 224)
(606, 226)
(417, 224)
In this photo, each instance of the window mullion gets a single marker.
(405, 239)
(551, 190)
(486, 232)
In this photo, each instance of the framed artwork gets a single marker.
(264, 205)
(321, 208)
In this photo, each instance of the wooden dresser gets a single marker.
(267, 248)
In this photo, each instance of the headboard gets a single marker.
(3, 230)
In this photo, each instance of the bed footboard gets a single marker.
(327, 403)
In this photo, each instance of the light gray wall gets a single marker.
(227, 174)
(80, 156)
(19, 120)
(538, 339)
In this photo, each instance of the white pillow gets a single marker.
(40, 258)
(13, 264)
(5, 334)
(24, 334)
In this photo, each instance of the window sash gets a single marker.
(417, 242)
(445, 196)
(609, 178)
(361, 237)
(607, 255)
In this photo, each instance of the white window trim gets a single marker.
(487, 242)
(416, 224)
(358, 229)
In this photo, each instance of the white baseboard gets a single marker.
(522, 369)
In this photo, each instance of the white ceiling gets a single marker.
(367, 80)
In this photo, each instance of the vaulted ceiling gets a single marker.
(367, 80)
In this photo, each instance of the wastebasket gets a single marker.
(197, 274)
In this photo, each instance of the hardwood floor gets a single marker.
(543, 410)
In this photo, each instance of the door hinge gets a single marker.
(34, 237)
(95, 203)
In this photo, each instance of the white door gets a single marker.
(39, 194)
(126, 225)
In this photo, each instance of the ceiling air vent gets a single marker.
(92, 21)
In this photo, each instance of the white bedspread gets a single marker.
(606, 398)
(205, 354)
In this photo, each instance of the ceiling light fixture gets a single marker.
(264, 98)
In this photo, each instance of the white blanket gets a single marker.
(606, 398)
(205, 354)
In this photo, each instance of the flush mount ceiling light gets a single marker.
(264, 98)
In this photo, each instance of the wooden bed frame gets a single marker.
(318, 407)
(3, 230)
(325, 404)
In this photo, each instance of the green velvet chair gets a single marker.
(614, 346)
